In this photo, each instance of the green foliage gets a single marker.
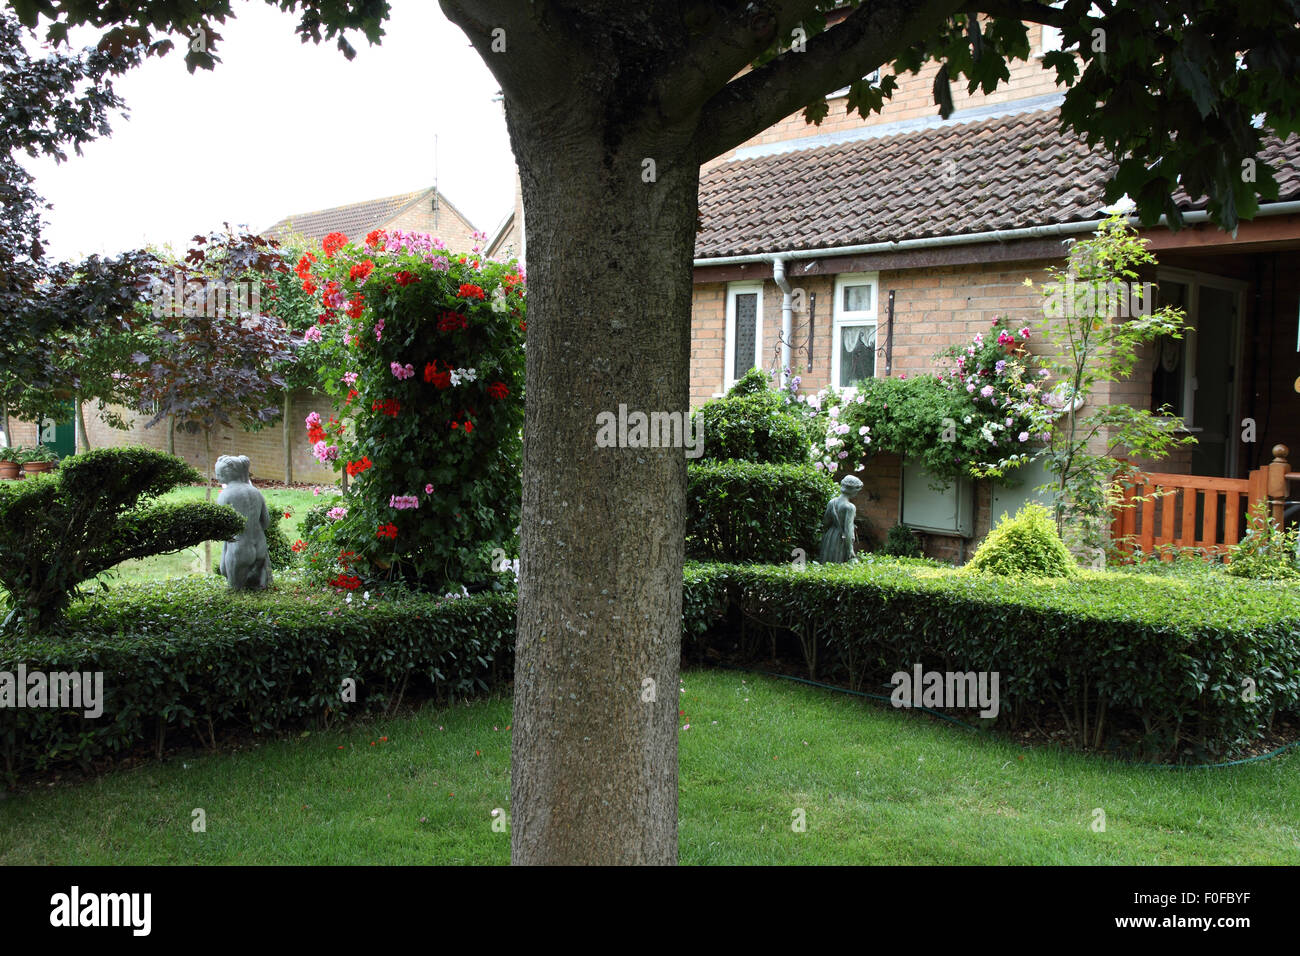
(901, 542)
(191, 659)
(454, 328)
(1266, 551)
(745, 511)
(751, 424)
(279, 548)
(754, 382)
(924, 420)
(1091, 346)
(37, 453)
(1158, 661)
(61, 529)
(1024, 546)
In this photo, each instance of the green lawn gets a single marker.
(875, 785)
(190, 561)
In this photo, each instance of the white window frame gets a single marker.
(729, 350)
(873, 78)
(841, 319)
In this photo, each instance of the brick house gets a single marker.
(902, 233)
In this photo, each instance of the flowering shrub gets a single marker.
(1011, 409)
(422, 352)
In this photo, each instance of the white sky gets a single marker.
(280, 127)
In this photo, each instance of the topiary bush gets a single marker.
(1025, 546)
(423, 353)
(752, 425)
(61, 529)
(743, 511)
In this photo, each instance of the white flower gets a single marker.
(863, 430)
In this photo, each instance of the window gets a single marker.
(744, 347)
(853, 351)
(873, 78)
(1051, 39)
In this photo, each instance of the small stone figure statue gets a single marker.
(837, 524)
(244, 561)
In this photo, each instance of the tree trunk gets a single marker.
(288, 447)
(83, 436)
(171, 435)
(594, 763)
(207, 489)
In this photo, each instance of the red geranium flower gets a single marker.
(361, 270)
(355, 468)
(523, 326)
(298, 545)
(452, 322)
(345, 582)
(469, 427)
(388, 531)
(375, 238)
(333, 243)
(439, 380)
(315, 433)
(498, 390)
(406, 278)
(303, 268)
(470, 291)
(352, 393)
(308, 286)
(389, 406)
(355, 306)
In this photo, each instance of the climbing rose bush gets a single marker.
(422, 352)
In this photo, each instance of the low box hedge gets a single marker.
(189, 659)
(743, 511)
(1174, 661)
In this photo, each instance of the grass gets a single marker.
(875, 786)
(190, 561)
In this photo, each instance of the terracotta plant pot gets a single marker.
(9, 469)
(36, 467)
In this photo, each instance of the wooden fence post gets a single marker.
(1277, 484)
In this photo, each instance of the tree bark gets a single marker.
(594, 763)
(207, 492)
(288, 448)
(83, 436)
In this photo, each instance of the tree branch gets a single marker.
(1024, 10)
(872, 35)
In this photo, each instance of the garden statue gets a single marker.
(244, 561)
(837, 524)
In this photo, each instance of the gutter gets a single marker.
(787, 317)
(973, 238)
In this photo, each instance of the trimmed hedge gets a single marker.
(1162, 658)
(191, 659)
(742, 511)
(752, 427)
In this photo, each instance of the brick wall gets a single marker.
(447, 224)
(914, 98)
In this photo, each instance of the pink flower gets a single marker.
(325, 453)
(403, 502)
(337, 513)
(428, 489)
(1024, 436)
(1024, 333)
(987, 391)
(312, 334)
(312, 420)
(350, 378)
(402, 371)
(970, 387)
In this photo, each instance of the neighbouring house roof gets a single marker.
(356, 219)
(500, 235)
(993, 168)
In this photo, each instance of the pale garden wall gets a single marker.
(265, 447)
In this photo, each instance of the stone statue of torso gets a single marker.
(244, 561)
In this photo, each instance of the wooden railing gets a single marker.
(1194, 511)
